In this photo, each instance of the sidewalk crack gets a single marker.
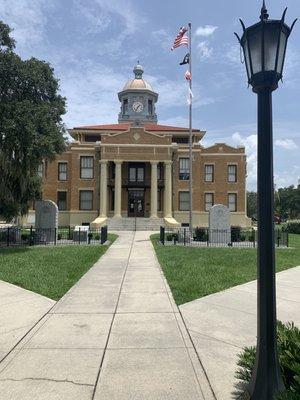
(47, 380)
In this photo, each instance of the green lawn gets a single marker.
(49, 271)
(198, 272)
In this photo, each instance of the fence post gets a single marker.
(103, 234)
(207, 236)
(31, 237)
(184, 233)
(69, 236)
(79, 236)
(55, 236)
(7, 238)
(253, 235)
(162, 235)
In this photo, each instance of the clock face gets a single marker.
(137, 106)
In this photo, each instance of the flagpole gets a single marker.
(191, 135)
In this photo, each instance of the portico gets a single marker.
(135, 189)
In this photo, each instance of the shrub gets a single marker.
(97, 236)
(235, 233)
(200, 234)
(59, 236)
(293, 226)
(172, 236)
(288, 339)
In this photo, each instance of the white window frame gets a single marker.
(232, 176)
(186, 201)
(62, 174)
(89, 200)
(209, 176)
(184, 171)
(232, 205)
(86, 171)
(208, 204)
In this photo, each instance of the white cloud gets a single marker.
(102, 13)
(250, 143)
(205, 50)
(163, 38)
(287, 144)
(27, 18)
(206, 30)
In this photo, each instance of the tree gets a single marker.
(288, 202)
(252, 204)
(31, 128)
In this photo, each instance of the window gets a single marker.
(62, 171)
(159, 208)
(184, 169)
(232, 173)
(86, 167)
(40, 171)
(136, 174)
(209, 173)
(125, 106)
(184, 201)
(140, 174)
(159, 172)
(92, 138)
(86, 200)
(232, 201)
(62, 201)
(208, 201)
(150, 107)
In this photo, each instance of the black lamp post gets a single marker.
(264, 45)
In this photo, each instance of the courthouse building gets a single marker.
(137, 168)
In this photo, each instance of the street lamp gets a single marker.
(264, 46)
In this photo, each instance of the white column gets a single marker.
(118, 189)
(103, 189)
(153, 213)
(168, 190)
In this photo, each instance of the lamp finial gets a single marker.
(264, 12)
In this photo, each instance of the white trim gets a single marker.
(134, 145)
(224, 154)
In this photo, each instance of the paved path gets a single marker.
(20, 310)
(223, 323)
(117, 334)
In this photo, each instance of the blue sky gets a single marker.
(94, 44)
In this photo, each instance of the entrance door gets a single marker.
(136, 203)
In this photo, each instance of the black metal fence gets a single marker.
(19, 236)
(205, 237)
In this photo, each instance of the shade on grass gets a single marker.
(49, 271)
(196, 272)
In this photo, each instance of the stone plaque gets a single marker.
(219, 225)
(46, 221)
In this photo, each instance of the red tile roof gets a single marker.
(125, 126)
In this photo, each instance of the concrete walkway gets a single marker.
(117, 334)
(20, 310)
(223, 323)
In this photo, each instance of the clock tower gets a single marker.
(138, 100)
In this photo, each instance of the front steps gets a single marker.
(134, 224)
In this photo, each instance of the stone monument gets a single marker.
(46, 221)
(219, 225)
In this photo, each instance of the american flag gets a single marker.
(181, 38)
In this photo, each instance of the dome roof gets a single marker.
(138, 83)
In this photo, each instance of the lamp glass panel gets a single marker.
(283, 40)
(247, 58)
(271, 38)
(255, 44)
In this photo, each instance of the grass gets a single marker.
(49, 271)
(197, 272)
